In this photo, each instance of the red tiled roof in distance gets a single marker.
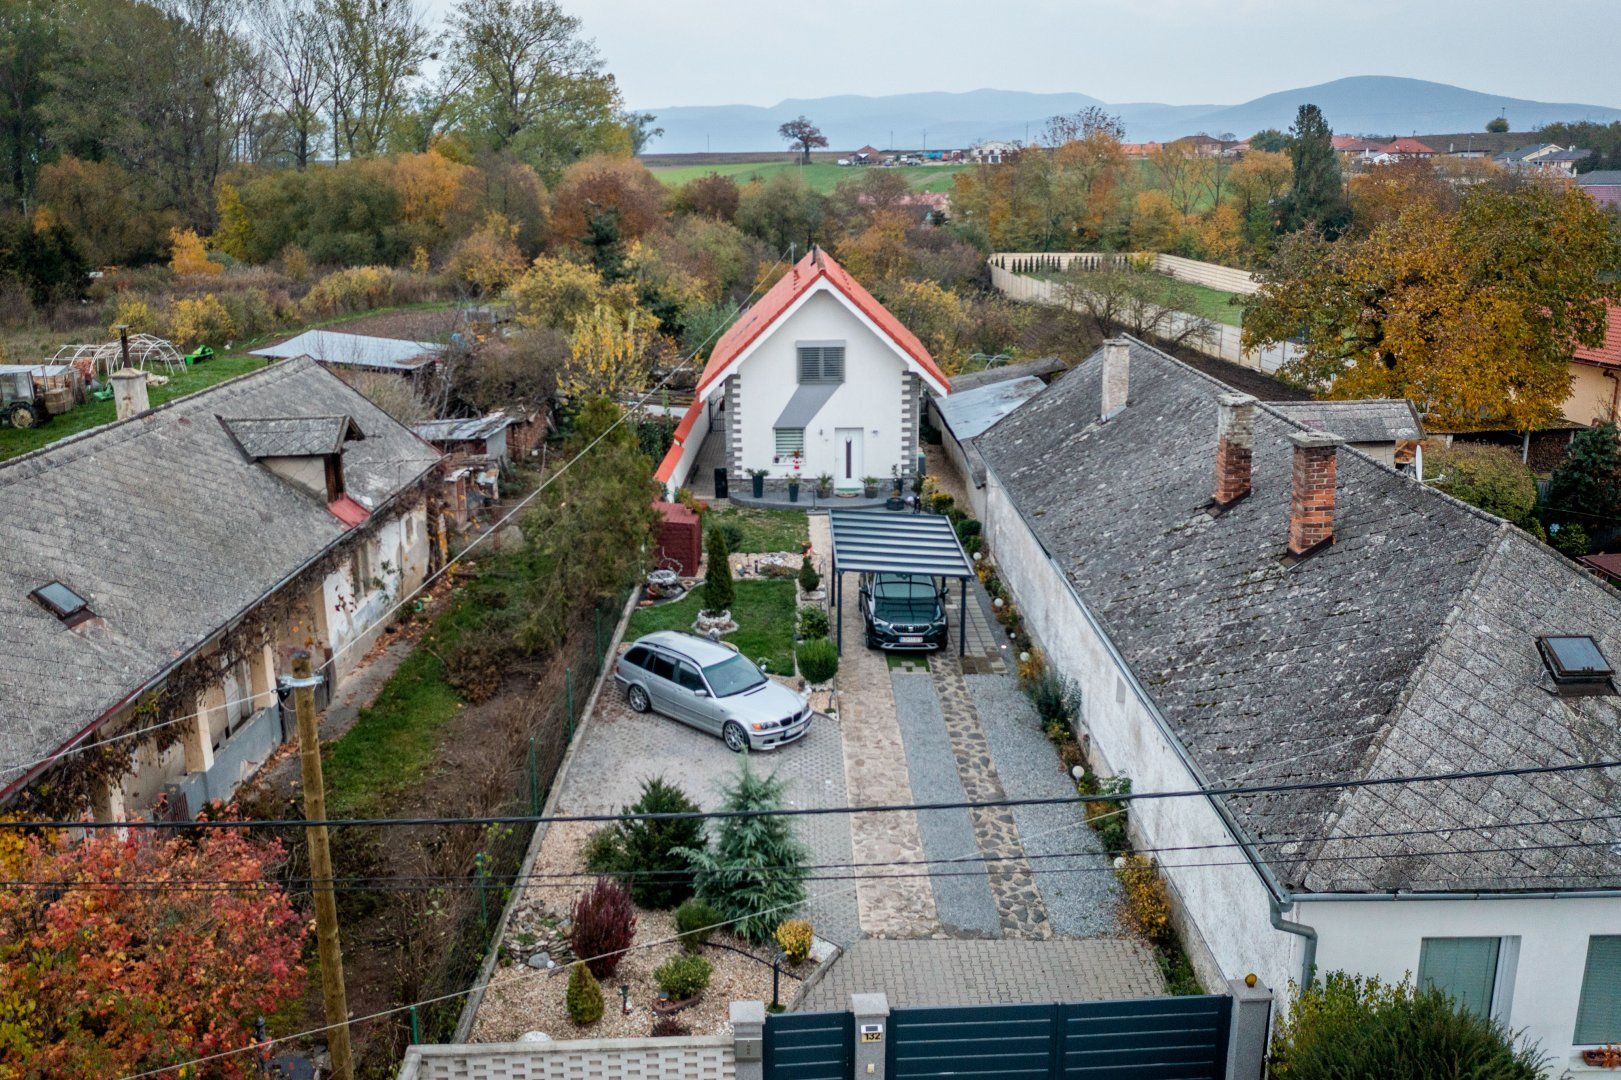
(1609, 353)
(815, 266)
(1407, 146)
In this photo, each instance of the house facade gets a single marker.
(1595, 377)
(817, 378)
(161, 570)
(1242, 600)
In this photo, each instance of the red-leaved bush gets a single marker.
(604, 926)
(126, 967)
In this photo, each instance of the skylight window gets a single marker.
(62, 602)
(1576, 664)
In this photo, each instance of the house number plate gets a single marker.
(872, 1033)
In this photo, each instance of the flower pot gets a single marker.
(1602, 1057)
(757, 483)
(793, 491)
(668, 1006)
(870, 491)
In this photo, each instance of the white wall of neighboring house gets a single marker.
(397, 561)
(1539, 995)
(1226, 906)
(872, 396)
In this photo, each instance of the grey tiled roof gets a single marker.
(1599, 178)
(303, 436)
(1406, 647)
(170, 534)
(1378, 420)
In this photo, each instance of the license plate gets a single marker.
(911, 639)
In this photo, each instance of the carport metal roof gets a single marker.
(884, 542)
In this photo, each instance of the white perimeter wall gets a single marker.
(1384, 937)
(355, 611)
(1229, 904)
(872, 396)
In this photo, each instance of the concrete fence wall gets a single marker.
(1210, 275)
(1219, 340)
(701, 1058)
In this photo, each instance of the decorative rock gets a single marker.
(534, 1037)
(541, 961)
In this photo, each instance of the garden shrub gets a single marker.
(718, 591)
(584, 996)
(1571, 539)
(668, 1027)
(134, 312)
(732, 531)
(818, 659)
(813, 622)
(1056, 699)
(968, 527)
(645, 852)
(794, 938)
(940, 502)
(1490, 477)
(252, 312)
(808, 577)
(683, 977)
(1146, 903)
(695, 921)
(1350, 1025)
(604, 925)
(732, 877)
(358, 288)
(203, 321)
(1107, 816)
(190, 255)
(1588, 478)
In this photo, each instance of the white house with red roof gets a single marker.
(816, 378)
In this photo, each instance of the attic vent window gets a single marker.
(62, 602)
(1576, 664)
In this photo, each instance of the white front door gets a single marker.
(847, 443)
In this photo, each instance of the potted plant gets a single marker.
(793, 481)
(895, 478)
(824, 485)
(757, 480)
(1603, 1057)
(869, 486)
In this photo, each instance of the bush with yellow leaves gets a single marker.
(189, 255)
(794, 937)
(489, 259)
(133, 311)
(610, 353)
(1146, 906)
(200, 321)
(555, 293)
(356, 289)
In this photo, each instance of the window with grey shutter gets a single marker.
(821, 363)
(1463, 968)
(1598, 1017)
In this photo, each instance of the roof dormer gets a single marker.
(306, 451)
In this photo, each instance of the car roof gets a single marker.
(698, 649)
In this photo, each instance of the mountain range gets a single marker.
(1360, 105)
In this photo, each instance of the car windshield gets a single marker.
(733, 675)
(904, 597)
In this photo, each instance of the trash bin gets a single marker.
(721, 489)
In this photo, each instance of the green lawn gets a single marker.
(821, 175)
(95, 413)
(763, 611)
(1213, 304)
(393, 741)
(763, 530)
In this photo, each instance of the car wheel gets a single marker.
(736, 740)
(639, 701)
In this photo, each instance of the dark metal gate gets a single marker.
(1181, 1038)
(809, 1046)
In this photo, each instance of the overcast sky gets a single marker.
(757, 52)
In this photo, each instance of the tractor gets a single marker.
(21, 403)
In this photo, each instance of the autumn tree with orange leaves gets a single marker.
(124, 967)
(1473, 313)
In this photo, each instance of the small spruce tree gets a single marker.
(1587, 479)
(649, 850)
(808, 577)
(584, 996)
(718, 591)
(755, 876)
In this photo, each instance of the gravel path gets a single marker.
(965, 904)
(1079, 904)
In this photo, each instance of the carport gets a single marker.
(884, 542)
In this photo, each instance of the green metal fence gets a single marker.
(808, 1046)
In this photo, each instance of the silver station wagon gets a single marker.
(714, 688)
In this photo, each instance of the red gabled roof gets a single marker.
(1609, 353)
(816, 266)
(1407, 146)
(672, 456)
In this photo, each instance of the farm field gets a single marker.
(820, 175)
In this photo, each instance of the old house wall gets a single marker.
(1224, 914)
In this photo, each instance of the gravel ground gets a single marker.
(965, 904)
(1079, 904)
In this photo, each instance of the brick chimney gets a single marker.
(129, 392)
(1311, 500)
(1116, 375)
(1235, 440)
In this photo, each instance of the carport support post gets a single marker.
(962, 616)
(838, 601)
(871, 1018)
(748, 1031)
(1246, 1035)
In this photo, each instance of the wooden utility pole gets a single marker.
(333, 995)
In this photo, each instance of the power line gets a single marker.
(58, 755)
(361, 883)
(822, 811)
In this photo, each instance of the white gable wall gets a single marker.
(872, 396)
